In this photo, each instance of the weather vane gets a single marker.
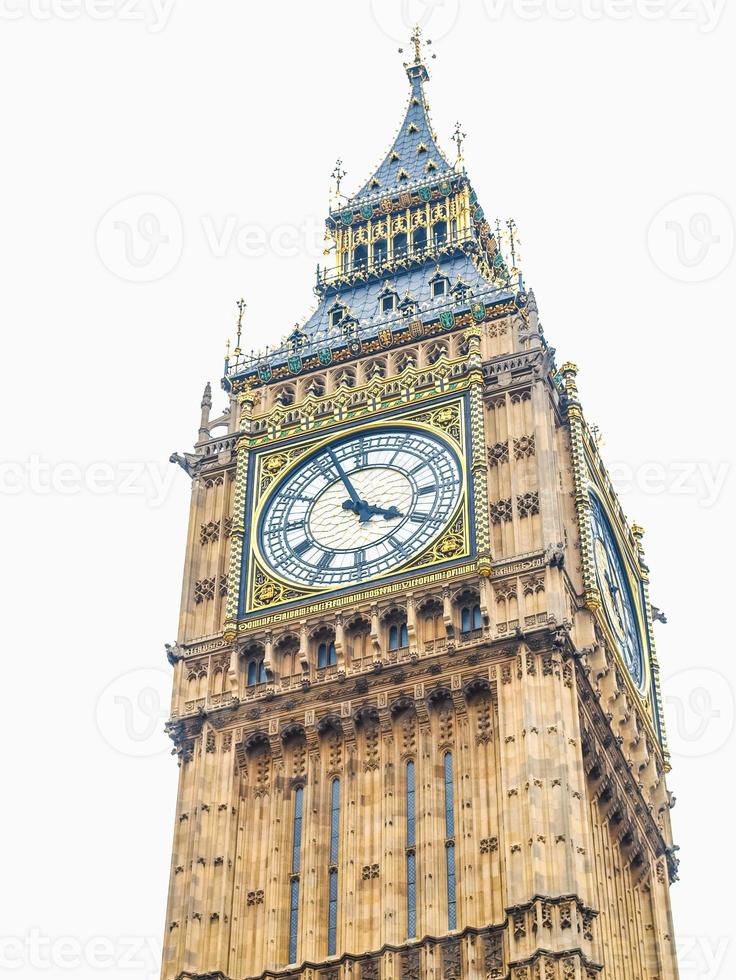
(241, 304)
(459, 138)
(417, 42)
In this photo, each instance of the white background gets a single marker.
(582, 127)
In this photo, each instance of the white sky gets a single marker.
(582, 129)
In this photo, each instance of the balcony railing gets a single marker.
(378, 268)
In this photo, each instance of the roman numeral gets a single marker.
(398, 546)
(302, 547)
(425, 490)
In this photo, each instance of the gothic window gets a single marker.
(296, 866)
(358, 631)
(285, 396)
(376, 369)
(439, 288)
(346, 377)
(460, 290)
(470, 618)
(287, 650)
(388, 303)
(326, 655)
(256, 673)
(400, 245)
(420, 239)
(439, 234)
(403, 361)
(436, 352)
(332, 870)
(398, 636)
(360, 257)
(432, 620)
(316, 387)
(450, 843)
(411, 852)
(380, 250)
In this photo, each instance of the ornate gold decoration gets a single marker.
(268, 592)
(447, 418)
(451, 545)
(272, 466)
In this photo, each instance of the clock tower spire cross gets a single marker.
(416, 700)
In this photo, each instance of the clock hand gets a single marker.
(390, 514)
(355, 503)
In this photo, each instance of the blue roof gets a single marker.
(414, 156)
(362, 300)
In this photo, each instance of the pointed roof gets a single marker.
(414, 158)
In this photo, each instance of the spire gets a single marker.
(414, 158)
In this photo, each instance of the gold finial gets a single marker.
(241, 304)
(417, 41)
(513, 241)
(227, 349)
(459, 139)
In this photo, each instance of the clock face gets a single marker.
(360, 507)
(618, 603)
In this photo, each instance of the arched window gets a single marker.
(411, 852)
(398, 636)
(470, 618)
(450, 843)
(360, 257)
(380, 250)
(262, 675)
(252, 673)
(420, 239)
(296, 867)
(400, 244)
(326, 655)
(332, 867)
(439, 233)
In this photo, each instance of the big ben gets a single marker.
(416, 700)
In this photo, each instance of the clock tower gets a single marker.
(416, 699)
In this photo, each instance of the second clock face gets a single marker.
(617, 599)
(360, 507)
